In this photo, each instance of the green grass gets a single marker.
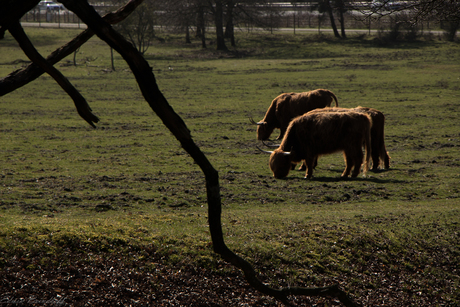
(67, 188)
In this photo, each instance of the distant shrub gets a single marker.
(401, 28)
(450, 29)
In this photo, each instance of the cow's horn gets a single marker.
(270, 145)
(287, 153)
(253, 122)
(266, 151)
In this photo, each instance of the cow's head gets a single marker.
(264, 129)
(280, 163)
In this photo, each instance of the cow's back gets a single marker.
(296, 104)
(291, 105)
(319, 98)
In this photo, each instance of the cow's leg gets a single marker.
(309, 165)
(375, 160)
(348, 164)
(357, 162)
(387, 160)
(375, 152)
(303, 166)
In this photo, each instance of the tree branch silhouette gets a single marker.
(21, 77)
(154, 97)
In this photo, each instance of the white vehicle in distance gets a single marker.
(378, 5)
(50, 6)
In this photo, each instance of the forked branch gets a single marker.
(21, 77)
(26, 45)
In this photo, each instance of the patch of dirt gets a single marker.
(94, 280)
(83, 276)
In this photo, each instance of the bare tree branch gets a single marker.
(23, 76)
(26, 45)
(419, 9)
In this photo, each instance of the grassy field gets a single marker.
(128, 190)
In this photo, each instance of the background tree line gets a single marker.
(403, 20)
(194, 18)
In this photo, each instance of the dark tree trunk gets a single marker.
(187, 35)
(341, 9)
(342, 25)
(201, 26)
(203, 38)
(229, 27)
(331, 17)
(218, 18)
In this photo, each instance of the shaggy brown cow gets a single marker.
(379, 151)
(289, 105)
(311, 135)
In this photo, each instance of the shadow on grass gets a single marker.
(357, 179)
(360, 178)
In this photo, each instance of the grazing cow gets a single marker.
(289, 105)
(311, 135)
(379, 151)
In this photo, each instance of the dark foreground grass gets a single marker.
(117, 215)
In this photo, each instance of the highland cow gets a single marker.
(379, 152)
(287, 106)
(311, 135)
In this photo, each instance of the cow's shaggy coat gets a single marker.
(314, 134)
(287, 106)
(379, 152)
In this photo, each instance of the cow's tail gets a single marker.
(384, 155)
(367, 144)
(335, 98)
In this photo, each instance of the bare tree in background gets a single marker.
(229, 24)
(139, 27)
(218, 11)
(201, 23)
(180, 15)
(341, 8)
(332, 7)
(326, 6)
(223, 15)
(446, 12)
(255, 13)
